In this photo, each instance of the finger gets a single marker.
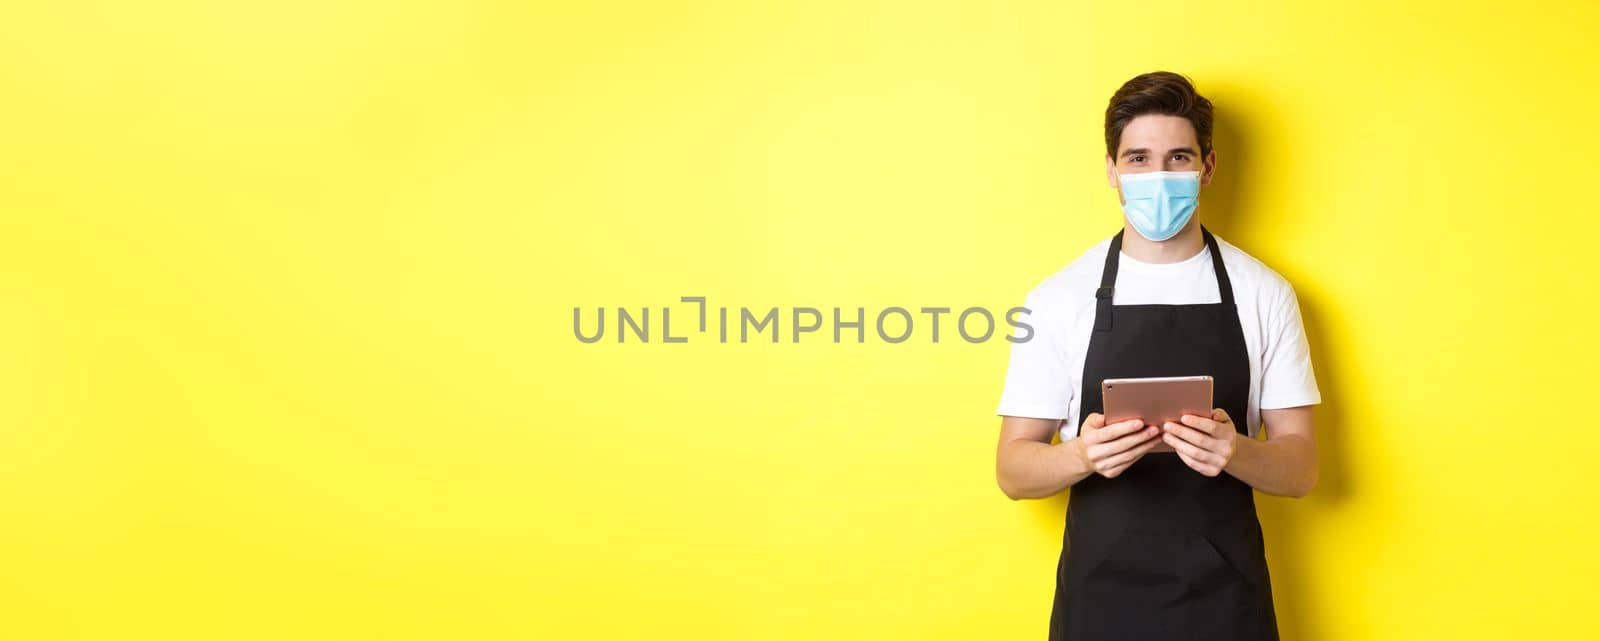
(1131, 454)
(1197, 454)
(1120, 459)
(1095, 421)
(1113, 470)
(1199, 422)
(1198, 466)
(1220, 415)
(1198, 438)
(1099, 451)
(1115, 430)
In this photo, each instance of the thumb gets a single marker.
(1220, 415)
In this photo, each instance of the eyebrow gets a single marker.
(1143, 150)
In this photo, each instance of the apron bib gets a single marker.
(1162, 551)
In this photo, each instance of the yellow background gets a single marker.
(286, 296)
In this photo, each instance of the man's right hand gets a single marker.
(1110, 449)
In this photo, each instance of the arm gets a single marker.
(1027, 466)
(1284, 465)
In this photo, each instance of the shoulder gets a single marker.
(1072, 286)
(1253, 281)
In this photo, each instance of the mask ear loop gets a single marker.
(1122, 188)
(1122, 191)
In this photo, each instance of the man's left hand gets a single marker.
(1205, 444)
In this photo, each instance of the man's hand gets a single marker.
(1205, 444)
(1110, 449)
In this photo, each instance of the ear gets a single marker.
(1111, 172)
(1209, 166)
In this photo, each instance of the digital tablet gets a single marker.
(1155, 400)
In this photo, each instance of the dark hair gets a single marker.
(1158, 92)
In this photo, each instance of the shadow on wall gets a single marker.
(1230, 203)
(1226, 207)
(1283, 519)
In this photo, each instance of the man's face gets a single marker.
(1154, 142)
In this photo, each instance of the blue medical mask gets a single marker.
(1159, 203)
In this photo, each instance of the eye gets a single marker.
(1137, 158)
(1180, 156)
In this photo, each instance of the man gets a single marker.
(1161, 544)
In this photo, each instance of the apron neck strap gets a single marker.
(1108, 278)
(1224, 284)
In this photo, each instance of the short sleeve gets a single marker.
(1287, 378)
(1038, 382)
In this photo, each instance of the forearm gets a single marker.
(1283, 466)
(1028, 469)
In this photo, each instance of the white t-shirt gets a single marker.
(1045, 375)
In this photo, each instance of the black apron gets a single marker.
(1162, 551)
